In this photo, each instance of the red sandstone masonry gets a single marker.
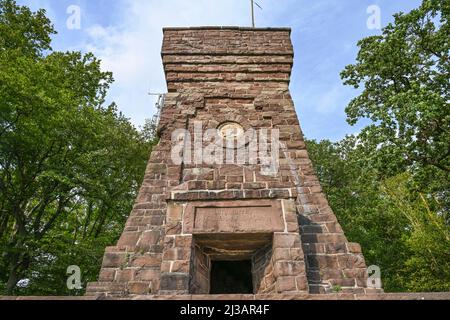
(239, 297)
(215, 75)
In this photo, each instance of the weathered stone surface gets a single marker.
(243, 297)
(146, 260)
(149, 239)
(107, 275)
(113, 260)
(187, 216)
(136, 287)
(286, 284)
(286, 240)
(236, 217)
(174, 213)
(174, 282)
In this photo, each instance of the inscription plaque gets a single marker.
(236, 217)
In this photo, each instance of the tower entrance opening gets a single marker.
(231, 277)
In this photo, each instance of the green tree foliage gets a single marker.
(393, 222)
(389, 186)
(354, 194)
(427, 267)
(404, 73)
(70, 166)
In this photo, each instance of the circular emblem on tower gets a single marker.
(231, 131)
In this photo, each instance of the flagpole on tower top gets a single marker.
(253, 3)
(253, 12)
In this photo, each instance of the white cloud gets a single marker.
(130, 48)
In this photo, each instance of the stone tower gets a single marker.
(203, 228)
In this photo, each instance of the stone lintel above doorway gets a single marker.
(199, 233)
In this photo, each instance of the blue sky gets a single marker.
(127, 36)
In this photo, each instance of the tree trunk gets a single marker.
(12, 280)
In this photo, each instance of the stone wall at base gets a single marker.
(336, 296)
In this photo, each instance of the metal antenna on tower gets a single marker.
(161, 97)
(253, 2)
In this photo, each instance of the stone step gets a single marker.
(331, 248)
(323, 238)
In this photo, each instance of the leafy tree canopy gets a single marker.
(70, 165)
(395, 225)
(389, 186)
(404, 75)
